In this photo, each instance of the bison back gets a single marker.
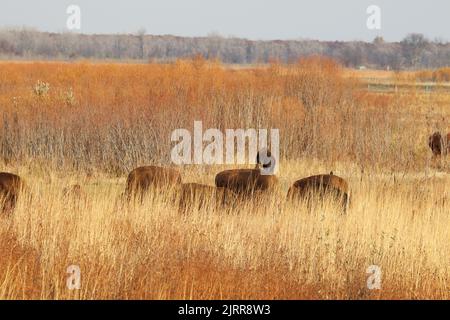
(143, 178)
(10, 188)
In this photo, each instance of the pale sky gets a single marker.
(253, 19)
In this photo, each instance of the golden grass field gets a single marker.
(98, 121)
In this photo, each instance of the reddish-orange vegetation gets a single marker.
(439, 75)
(117, 116)
(72, 130)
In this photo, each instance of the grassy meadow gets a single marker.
(91, 123)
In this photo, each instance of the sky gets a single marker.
(343, 20)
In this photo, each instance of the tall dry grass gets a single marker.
(94, 122)
(117, 116)
(269, 249)
(439, 75)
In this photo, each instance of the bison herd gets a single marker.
(230, 185)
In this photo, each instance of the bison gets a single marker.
(439, 144)
(141, 179)
(11, 186)
(247, 181)
(203, 195)
(321, 185)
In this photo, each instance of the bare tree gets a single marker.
(415, 51)
(141, 36)
(413, 47)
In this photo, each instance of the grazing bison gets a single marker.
(142, 179)
(439, 144)
(10, 187)
(321, 185)
(204, 195)
(247, 181)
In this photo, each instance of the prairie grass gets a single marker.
(89, 124)
(268, 249)
(113, 117)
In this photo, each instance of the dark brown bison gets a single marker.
(247, 181)
(11, 186)
(141, 179)
(203, 195)
(321, 185)
(439, 144)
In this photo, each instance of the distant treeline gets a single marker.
(414, 51)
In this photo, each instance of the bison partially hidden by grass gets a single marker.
(11, 186)
(74, 191)
(247, 181)
(198, 196)
(322, 186)
(141, 179)
(439, 144)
